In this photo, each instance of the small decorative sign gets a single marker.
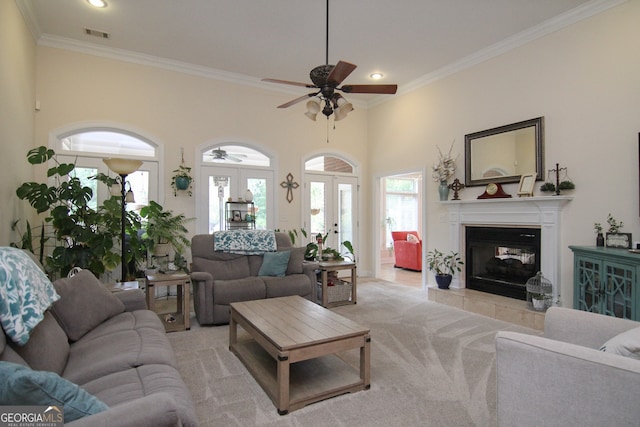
(619, 240)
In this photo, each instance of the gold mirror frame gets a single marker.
(505, 153)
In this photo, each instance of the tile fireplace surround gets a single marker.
(540, 212)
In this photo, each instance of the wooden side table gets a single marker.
(327, 266)
(182, 283)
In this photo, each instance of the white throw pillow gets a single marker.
(625, 344)
(412, 238)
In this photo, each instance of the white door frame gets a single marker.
(332, 219)
(378, 219)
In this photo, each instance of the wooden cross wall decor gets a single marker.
(290, 186)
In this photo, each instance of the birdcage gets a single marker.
(539, 292)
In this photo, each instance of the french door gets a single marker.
(222, 183)
(331, 208)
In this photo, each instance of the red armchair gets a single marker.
(408, 253)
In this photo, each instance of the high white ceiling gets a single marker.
(410, 41)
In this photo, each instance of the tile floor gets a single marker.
(501, 308)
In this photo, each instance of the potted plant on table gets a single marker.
(163, 229)
(444, 266)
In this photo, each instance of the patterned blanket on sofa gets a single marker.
(246, 242)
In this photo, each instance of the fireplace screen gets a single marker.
(501, 260)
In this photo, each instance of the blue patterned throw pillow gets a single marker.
(25, 294)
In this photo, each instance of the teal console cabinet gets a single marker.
(605, 281)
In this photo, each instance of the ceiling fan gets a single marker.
(220, 154)
(326, 81)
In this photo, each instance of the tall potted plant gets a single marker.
(444, 266)
(82, 236)
(163, 229)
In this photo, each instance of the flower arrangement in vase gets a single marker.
(443, 170)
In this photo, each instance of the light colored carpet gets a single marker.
(431, 365)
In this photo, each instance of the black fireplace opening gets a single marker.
(500, 260)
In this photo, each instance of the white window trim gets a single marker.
(62, 132)
(202, 213)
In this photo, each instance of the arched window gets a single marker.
(229, 170)
(235, 154)
(328, 164)
(88, 146)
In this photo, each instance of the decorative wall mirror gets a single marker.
(505, 153)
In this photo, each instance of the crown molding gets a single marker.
(167, 64)
(144, 59)
(26, 9)
(556, 23)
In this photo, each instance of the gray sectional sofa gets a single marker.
(575, 375)
(220, 278)
(111, 346)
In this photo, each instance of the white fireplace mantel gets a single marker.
(540, 212)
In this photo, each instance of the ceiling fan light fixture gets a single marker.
(339, 114)
(327, 79)
(376, 76)
(313, 108)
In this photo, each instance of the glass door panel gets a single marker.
(331, 207)
(225, 183)
(218, 187)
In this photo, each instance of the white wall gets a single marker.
(17, 89)
(585, 81)
(182, 110)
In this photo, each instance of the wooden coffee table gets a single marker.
(291, 351)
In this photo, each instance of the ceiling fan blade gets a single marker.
(340, 72)
(383, 89)
(286, 82)
(295, 101)
(233, 158)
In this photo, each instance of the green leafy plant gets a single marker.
(566, 185)
(181, 176)
(331, 254)
(548, 187)
(311, 252)
(443, 264)
(81, 236)
(597, 227)
(614, 225)
(163, 226)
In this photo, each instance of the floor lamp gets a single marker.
(123, 167)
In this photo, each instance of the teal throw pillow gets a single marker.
(24, 386)
(274, 263)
